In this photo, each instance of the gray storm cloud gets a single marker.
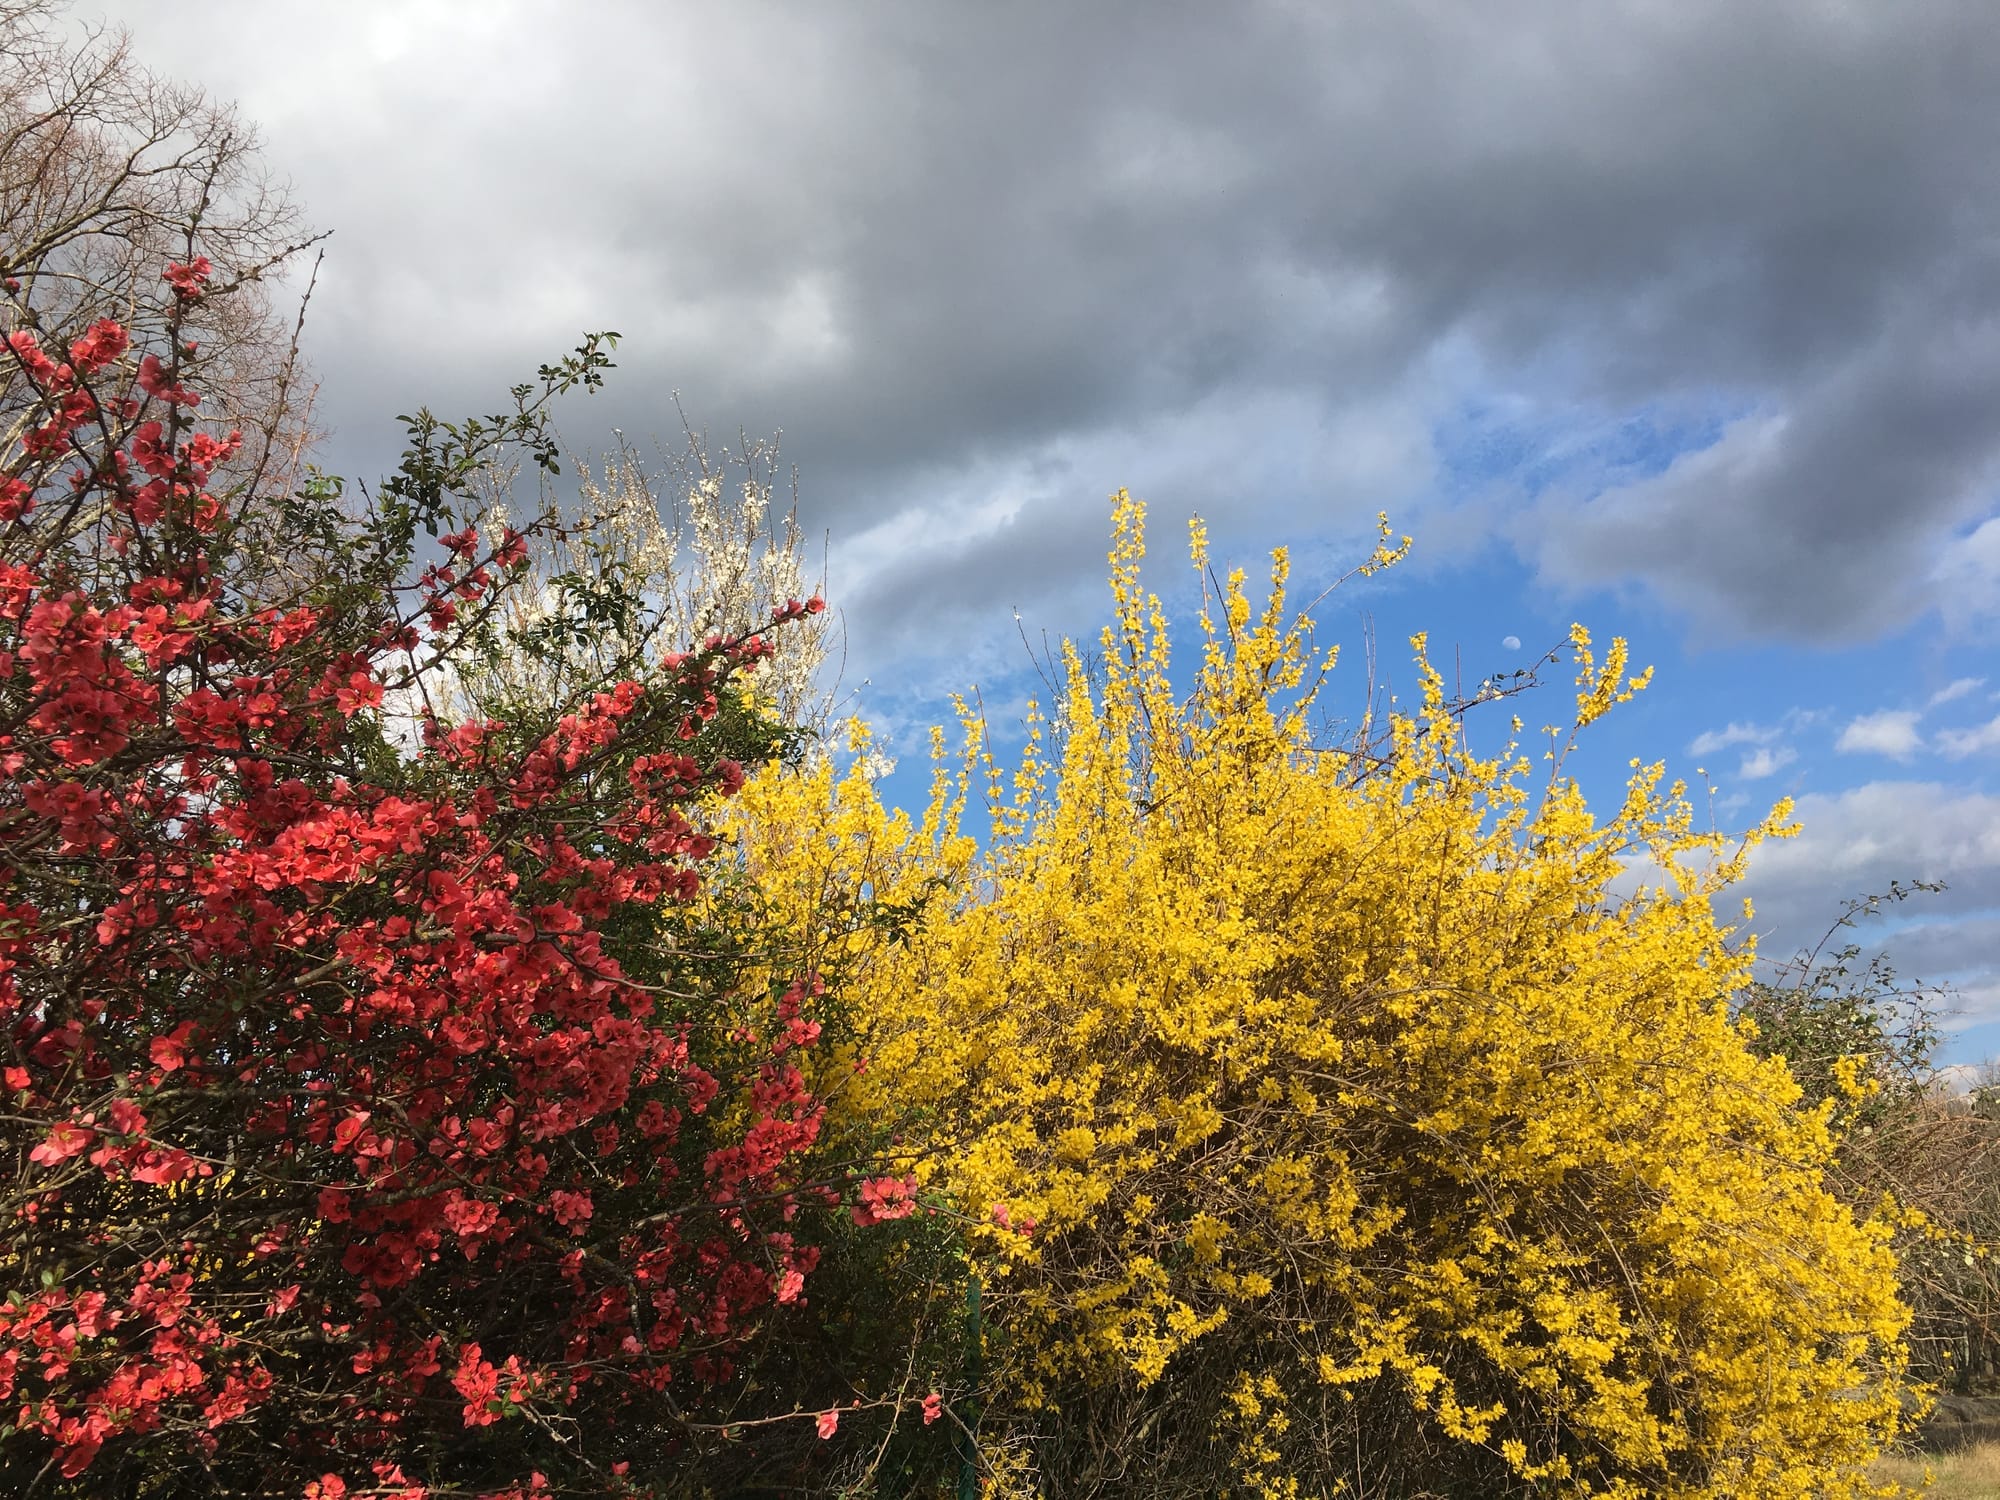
(1005, 247)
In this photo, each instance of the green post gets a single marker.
(968, 1467)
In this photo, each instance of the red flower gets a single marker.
(571, 1210)
(104, 341)
(16, 499)
(188, 280)
(885, 1198)
(80, 1449)
(358, 692)
(479, 1383)
(349, 1129)
(366, 994)
(28, 350)
(127, 1118)
(154, 381)
(169, 1053)
(64, 1141)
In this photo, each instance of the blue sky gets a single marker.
(1678, 320)
(1887, 745)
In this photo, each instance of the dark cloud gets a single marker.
(1009, 246)
(1926, 949)
(1819, 517)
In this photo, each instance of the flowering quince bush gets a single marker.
(356, 1146)
(1367, 1142)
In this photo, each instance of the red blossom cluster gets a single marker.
(343, 1128)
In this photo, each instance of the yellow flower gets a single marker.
(1350, 1100)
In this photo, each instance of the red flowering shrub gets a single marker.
(362, 1141)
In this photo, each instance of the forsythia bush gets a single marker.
(1324, 1121)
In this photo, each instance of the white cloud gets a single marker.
(1959, 743)
(1958, 688)
(1764, 761)
(1736, 734)
(1893, 732)
(1862, 838)
(1855, 843)
(1963, 1078)
(1967, 575)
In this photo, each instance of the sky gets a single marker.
(1680, 318)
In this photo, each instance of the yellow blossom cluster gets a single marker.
(1327, 1107)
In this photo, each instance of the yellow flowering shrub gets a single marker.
(1365, 1140)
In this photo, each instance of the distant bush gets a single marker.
(1861, 1043)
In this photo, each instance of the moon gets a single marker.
(1511, 643)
